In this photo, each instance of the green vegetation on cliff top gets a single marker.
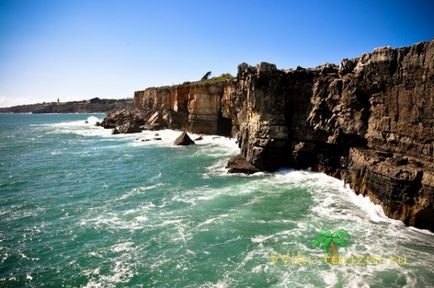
(214, 80)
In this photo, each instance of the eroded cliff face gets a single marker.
(368, 121)
(256, 103)
(193, 107)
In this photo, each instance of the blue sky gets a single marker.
(77, 49)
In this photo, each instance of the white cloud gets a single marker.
(9, 101)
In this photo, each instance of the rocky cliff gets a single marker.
(368, 121)
(194, 107)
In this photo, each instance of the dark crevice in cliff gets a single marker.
(367, 121)
(224, 126)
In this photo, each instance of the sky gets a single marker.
(81, 49)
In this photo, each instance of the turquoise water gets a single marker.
(82, 208)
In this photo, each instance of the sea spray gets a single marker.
(82, 207)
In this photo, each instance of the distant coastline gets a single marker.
(85, 106)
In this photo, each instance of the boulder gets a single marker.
(155, 122)
(107, 123)
(184, 140)
(238, 164)
(129, 127)
(125, 121)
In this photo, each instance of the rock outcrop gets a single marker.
(403, 185)
(124, 121)
(195, 107)
(238, 164)
(368, 121)
(184, 140)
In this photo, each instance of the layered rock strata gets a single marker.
(194, 107)
(368, 121)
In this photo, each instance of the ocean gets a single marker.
(80, 207)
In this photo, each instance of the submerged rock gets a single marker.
(184, 139)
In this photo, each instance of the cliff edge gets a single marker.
(368, 121)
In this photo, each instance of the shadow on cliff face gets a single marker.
(365, 104)
(224, 126)
(340, 120)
